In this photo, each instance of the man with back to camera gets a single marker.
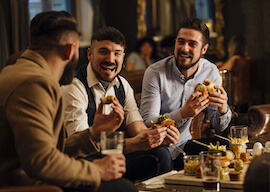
(168, 87)
(31, 117)
(100, 79)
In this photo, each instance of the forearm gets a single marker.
(131, 145)
(219, 121)
(81, 144)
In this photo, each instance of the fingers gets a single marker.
(219, 99)
(118, 110)
(194, 95)
(222, 90)
(100, 107)
(154, 137)
(173, 135)
(117, 165)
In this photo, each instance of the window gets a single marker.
(81, 9)
(37, 6)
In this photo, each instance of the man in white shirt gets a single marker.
(145, 157)
(168, 87)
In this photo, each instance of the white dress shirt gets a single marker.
(76, 101)
(165, 91)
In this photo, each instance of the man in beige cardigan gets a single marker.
(32, 143)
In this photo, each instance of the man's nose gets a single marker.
(185, 47)
(111, 58)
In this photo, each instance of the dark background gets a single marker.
(251, 18)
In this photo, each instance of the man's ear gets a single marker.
(204, 49)
(89, 53)
(68, 49)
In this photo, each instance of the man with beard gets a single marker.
(100, 79)
(32, 146)
(168, 87)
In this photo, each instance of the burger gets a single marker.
(107, 100)
(205, 87)
(225, 163)
(162, 121)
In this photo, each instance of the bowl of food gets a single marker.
(238, 146)
(191, 162)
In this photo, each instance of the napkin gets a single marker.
(158, 181)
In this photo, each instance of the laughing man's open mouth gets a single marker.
(111, 68)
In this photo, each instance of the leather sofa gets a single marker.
(259, 129)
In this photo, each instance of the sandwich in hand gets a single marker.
(206, 87)
(162, 121)
(107, 100)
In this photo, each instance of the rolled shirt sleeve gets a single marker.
(165, 91)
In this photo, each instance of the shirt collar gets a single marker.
(179, 73)
(93, 80)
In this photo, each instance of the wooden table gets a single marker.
(180, 183)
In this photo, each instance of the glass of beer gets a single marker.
(111, 142)
(210, 165)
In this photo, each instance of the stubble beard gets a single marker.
(69, 72)
(188, 66)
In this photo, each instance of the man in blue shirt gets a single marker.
(168, 86)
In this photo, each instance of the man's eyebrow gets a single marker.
(119, 50)
(106, 49)
(191, 41)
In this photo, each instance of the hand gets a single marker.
(111, 167)
(109, 122)
(219, 99)
(194, 105)
(173, 136)
(149, 138)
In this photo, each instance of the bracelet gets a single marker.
(92, 132)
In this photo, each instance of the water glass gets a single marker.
(239, 131)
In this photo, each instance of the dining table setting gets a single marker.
(220, 168)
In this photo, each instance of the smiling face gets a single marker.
(189, 48)
(106, 58)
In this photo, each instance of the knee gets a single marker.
(164, 159)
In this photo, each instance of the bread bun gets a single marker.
(162, 121)
(107, 100)
(244, 157)
(206, 87)
(236, 176)
(225, 162)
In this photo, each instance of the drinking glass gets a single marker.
(111, 142)
(239, 131)
(239, 138)
(210, 165)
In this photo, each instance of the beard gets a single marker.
(188, 66)
(69, 72)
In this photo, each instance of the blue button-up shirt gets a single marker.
(165, 91)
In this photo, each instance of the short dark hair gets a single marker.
(109, 33)
(47, 28)
(197, 24)
(258, 174)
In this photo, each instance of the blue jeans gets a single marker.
(142, 165)
(146, 164)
